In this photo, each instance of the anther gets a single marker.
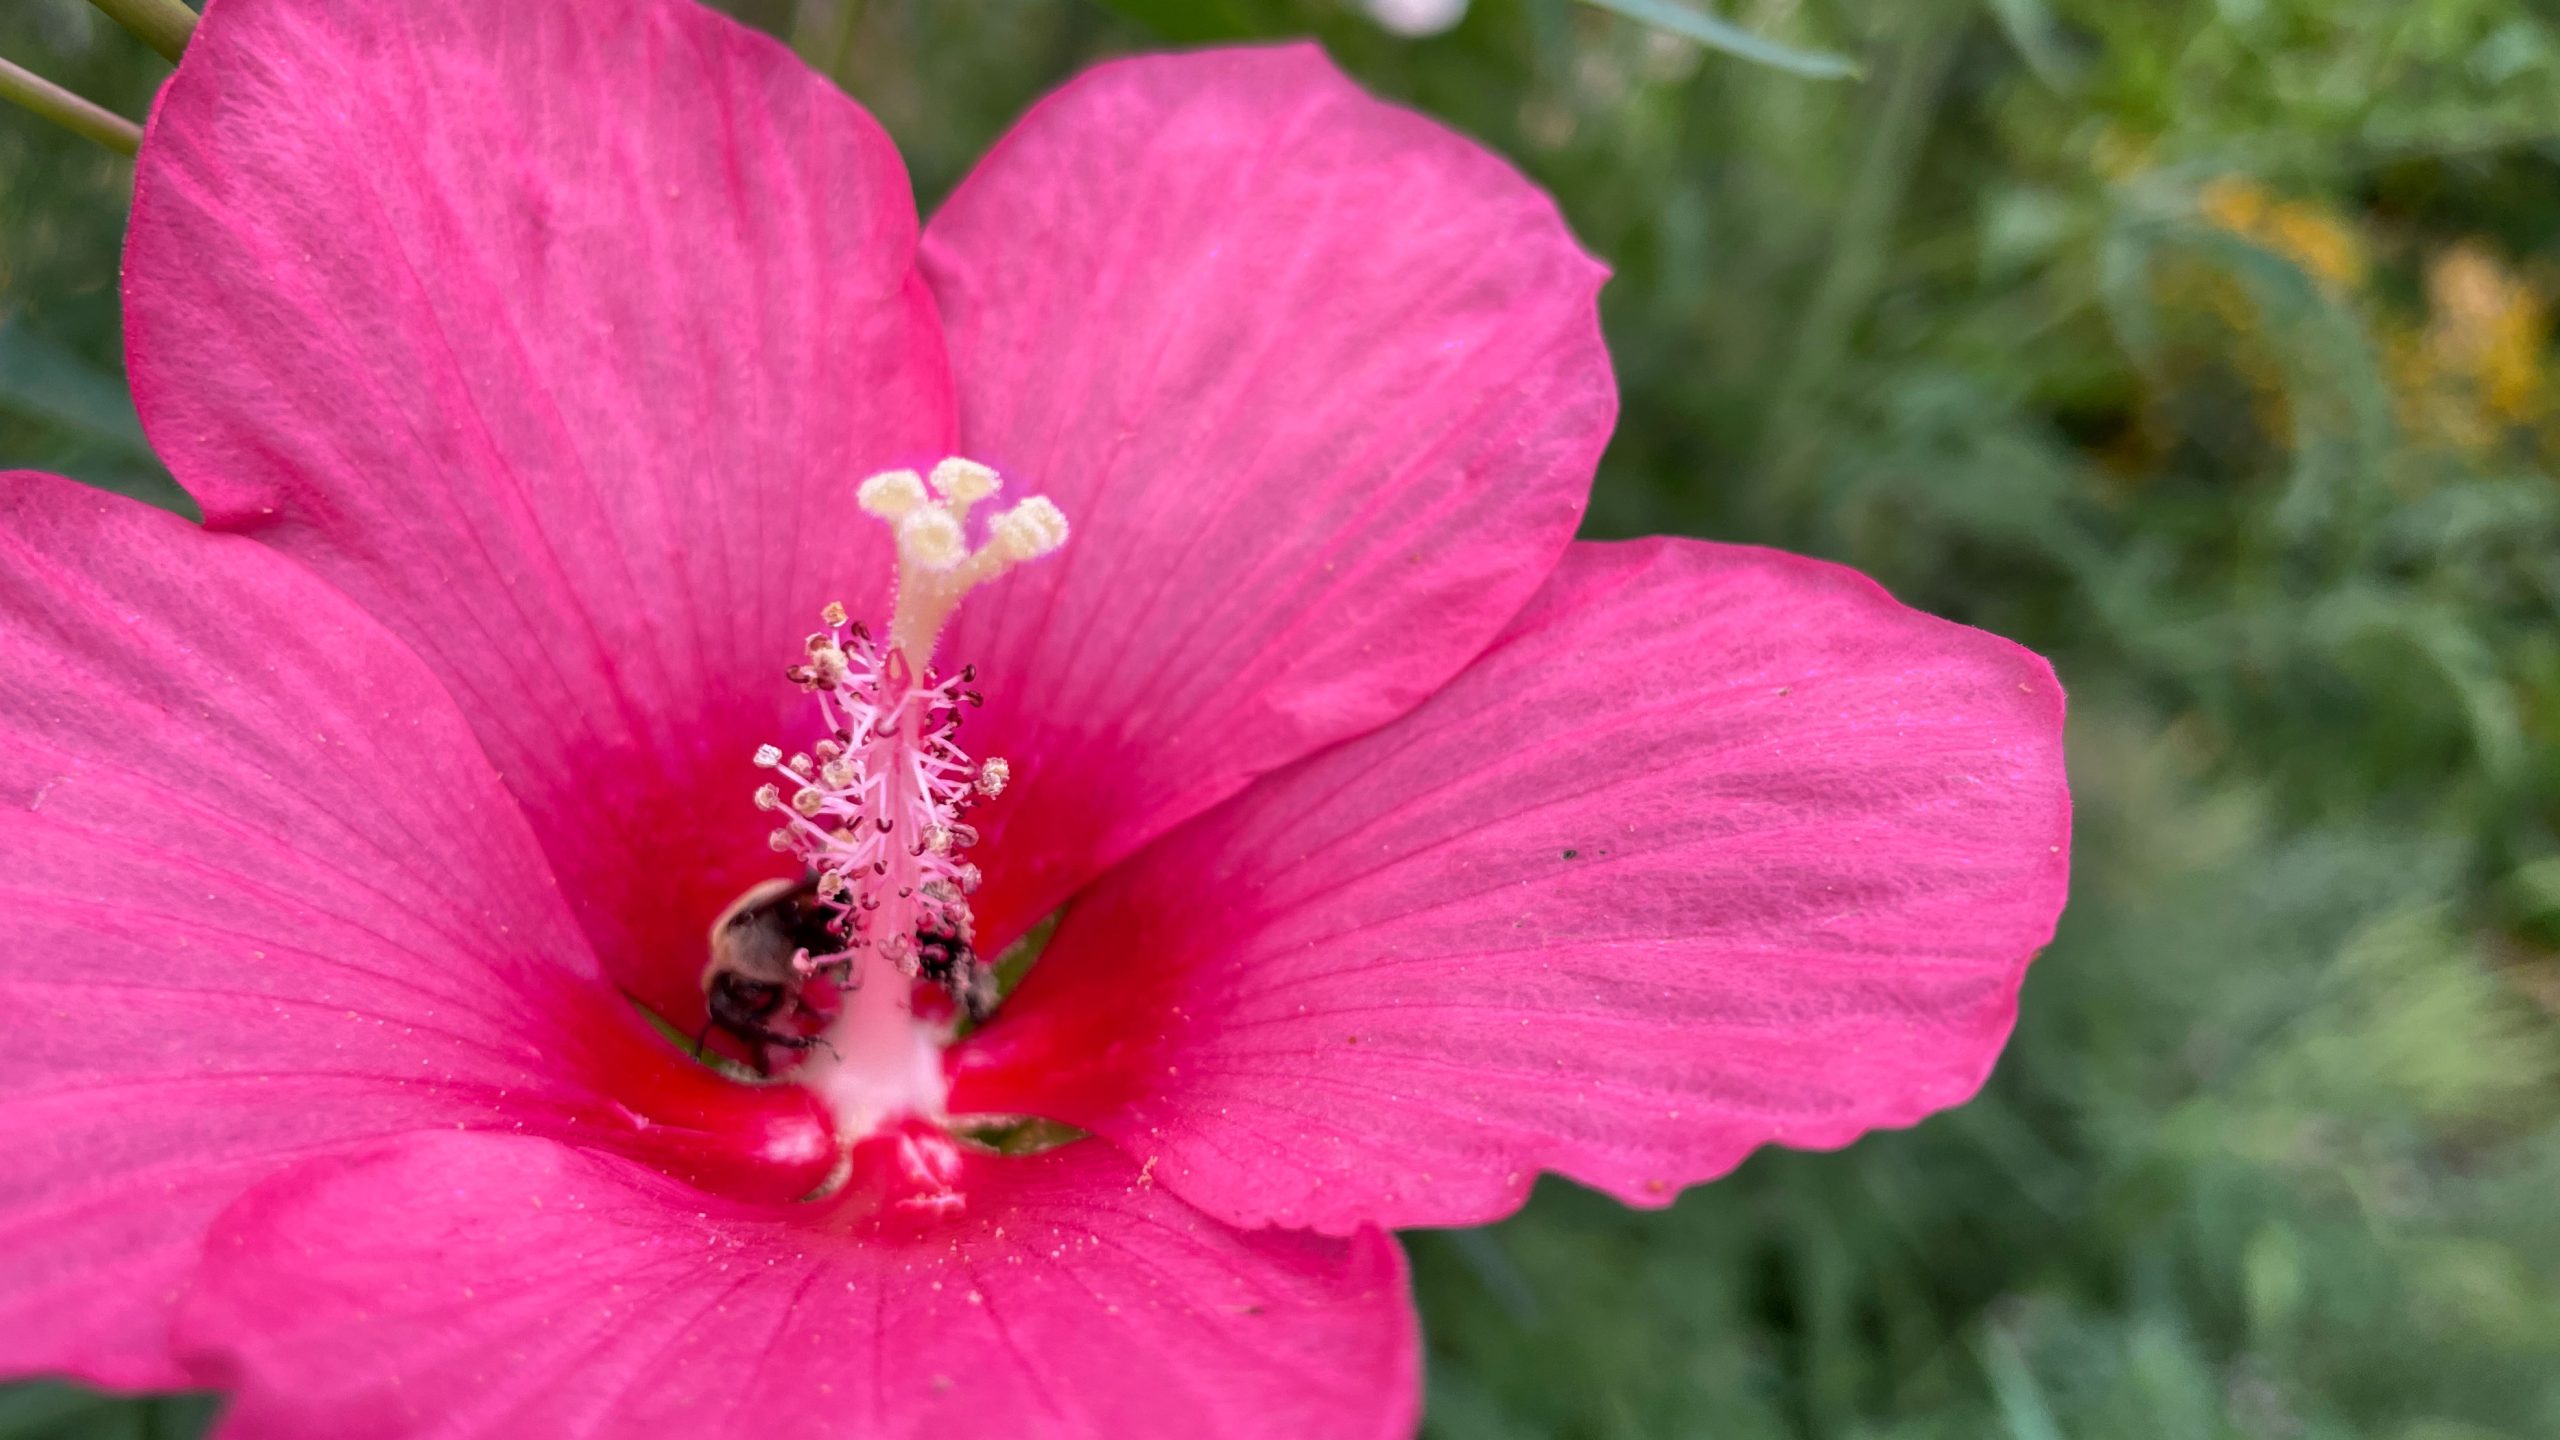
(993, 775)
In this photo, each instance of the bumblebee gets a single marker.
(751, 988)
(948, 960)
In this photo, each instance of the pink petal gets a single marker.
(1716, 847)
(486, 1286)
(261, 896)
(1320, 386)
(557, 335)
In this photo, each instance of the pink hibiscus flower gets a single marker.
(529, 360)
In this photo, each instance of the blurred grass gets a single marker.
(2204, 345)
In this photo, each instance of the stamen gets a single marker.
(876, 810)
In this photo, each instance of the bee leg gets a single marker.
(801, 1007)
(702, 1037)
(771, 1039)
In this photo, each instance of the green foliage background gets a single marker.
(2203, 345)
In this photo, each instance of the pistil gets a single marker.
(876, 810)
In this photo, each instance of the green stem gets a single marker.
(1914, 78)
(34, 92)
(822, 34)
(164, 25)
